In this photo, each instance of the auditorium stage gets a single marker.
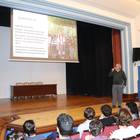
(44, 111)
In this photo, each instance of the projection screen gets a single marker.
(38, 37)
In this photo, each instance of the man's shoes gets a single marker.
(119, 106)
(113, 106)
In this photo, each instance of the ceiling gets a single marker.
(128, 8)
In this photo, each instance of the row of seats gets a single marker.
(103, 128)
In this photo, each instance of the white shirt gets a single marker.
(102, 117)
(123, 132)
(83, 126)
(138, 130)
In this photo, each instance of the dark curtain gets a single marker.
(90, 75)
(5, 16)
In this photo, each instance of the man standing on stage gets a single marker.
(119, 82)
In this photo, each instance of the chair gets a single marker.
(108, 130)
(137, 137)
(73, 136)
(130, 138)
(84, 134)
(135, 123)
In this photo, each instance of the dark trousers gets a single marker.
(117, 91)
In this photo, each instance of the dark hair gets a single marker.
(124, 117)
(65, 124)
(29, 127)
(133, 108)
(89, 113)
(95, 127)
(106, 110)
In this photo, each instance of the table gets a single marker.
(33, 90)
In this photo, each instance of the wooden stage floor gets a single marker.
(44, 111)
(8, 107)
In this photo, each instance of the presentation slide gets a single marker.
(42, 37)
(30, 35)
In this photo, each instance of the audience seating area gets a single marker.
(75, 135)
